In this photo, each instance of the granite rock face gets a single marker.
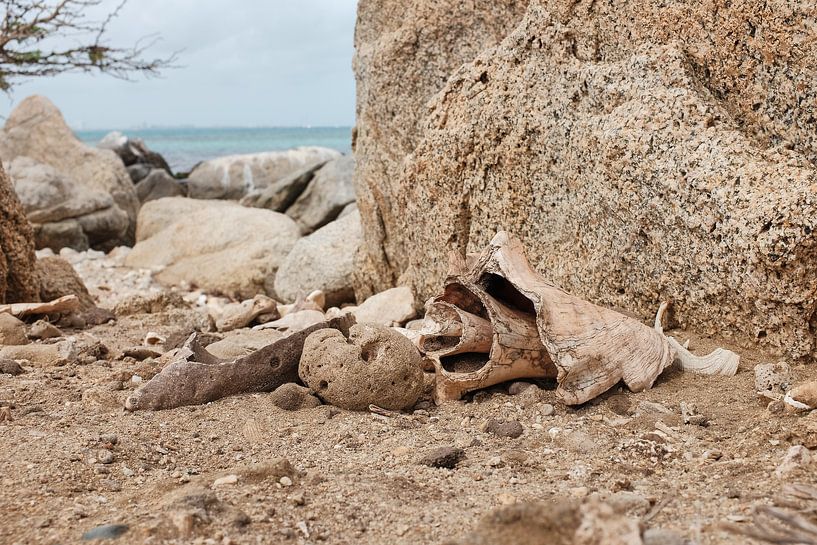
(219, 246)
(235, 176)
(405, 51)
(37, 130)
(19, 282)
(636, 150)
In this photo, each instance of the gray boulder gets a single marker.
(326, 195)
(281, 194)
(235, 176)
(324, 261)
(159, 184)
(138, 172)
(133, 151)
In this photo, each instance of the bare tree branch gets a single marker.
(29, 27)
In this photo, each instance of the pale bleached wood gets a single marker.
(63, 305)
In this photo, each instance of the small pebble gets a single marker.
(228, 479)
(285, 481)
(105, 457)
(106, 531)
(510, 429)
(443, 457)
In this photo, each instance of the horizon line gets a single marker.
(152, 127)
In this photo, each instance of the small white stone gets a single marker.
(285, 481)
(229, 479)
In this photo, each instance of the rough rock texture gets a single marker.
(324, 260)
(405, 51)
(36, 129)
(58, 279)
(12, 330)
(327, 194)
(375, 365)
(293, 397)
(221, 247)
(280, 194)
(18, 282)
(63, 212)
(157, 185)
(234, 176)
(636, 150)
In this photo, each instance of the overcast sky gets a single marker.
(243, 63)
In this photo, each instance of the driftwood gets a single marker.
(499, 320)
(63, 305)
(198, 377)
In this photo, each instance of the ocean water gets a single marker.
(184, 147)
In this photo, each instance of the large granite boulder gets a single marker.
(62, 212)
(133, 151)
(324, 260)
(641, 153)
(405, 50)
(327, 194)
(219, 246)
(234, 176)
(18, 280)
(37, 130)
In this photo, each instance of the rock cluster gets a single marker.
(74, 195)
(18, 281)
(313, 196)
(622, 143)
(235, 176)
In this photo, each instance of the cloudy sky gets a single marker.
(242, 63)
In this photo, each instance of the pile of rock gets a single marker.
(74, 195)
(148, 170)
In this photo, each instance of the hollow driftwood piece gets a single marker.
(63, 305)
(198, 377)
(538, 331)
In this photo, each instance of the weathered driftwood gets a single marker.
(63, 305)
(198, 377)
(499, 320)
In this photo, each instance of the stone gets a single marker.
(280, 194)
(618, 191)
(293, 397)
(324, 260)
(42, 355)
(227, 479)
(106, 531)
(238, 315)
(18, 282)
(243, 342)
(443, 457)
(662, 536)
(295, 321)
(43, 330)
(772, 376)
(516, 388)
(328, 193)
(157, 185)
(138, 172)
(629, 503)
(37, 130)
(58, 279)
(10, 367)
(237, 254)
(511, 429)
(65, 213)
(133, 151)
(12, 330)
(374, 366)
(395, 305)
(803, 396)
(235, 176)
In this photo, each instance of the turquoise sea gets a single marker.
(184, 147)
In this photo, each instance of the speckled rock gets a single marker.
(293, 397)
(638, 168)
(18, 281)
(404, 52)
(12, 330)
(375, 365)
(395, 305)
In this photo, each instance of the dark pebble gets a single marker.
(511, 429)
(447, 457)
(106, 531)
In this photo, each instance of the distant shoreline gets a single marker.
(184, 147)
